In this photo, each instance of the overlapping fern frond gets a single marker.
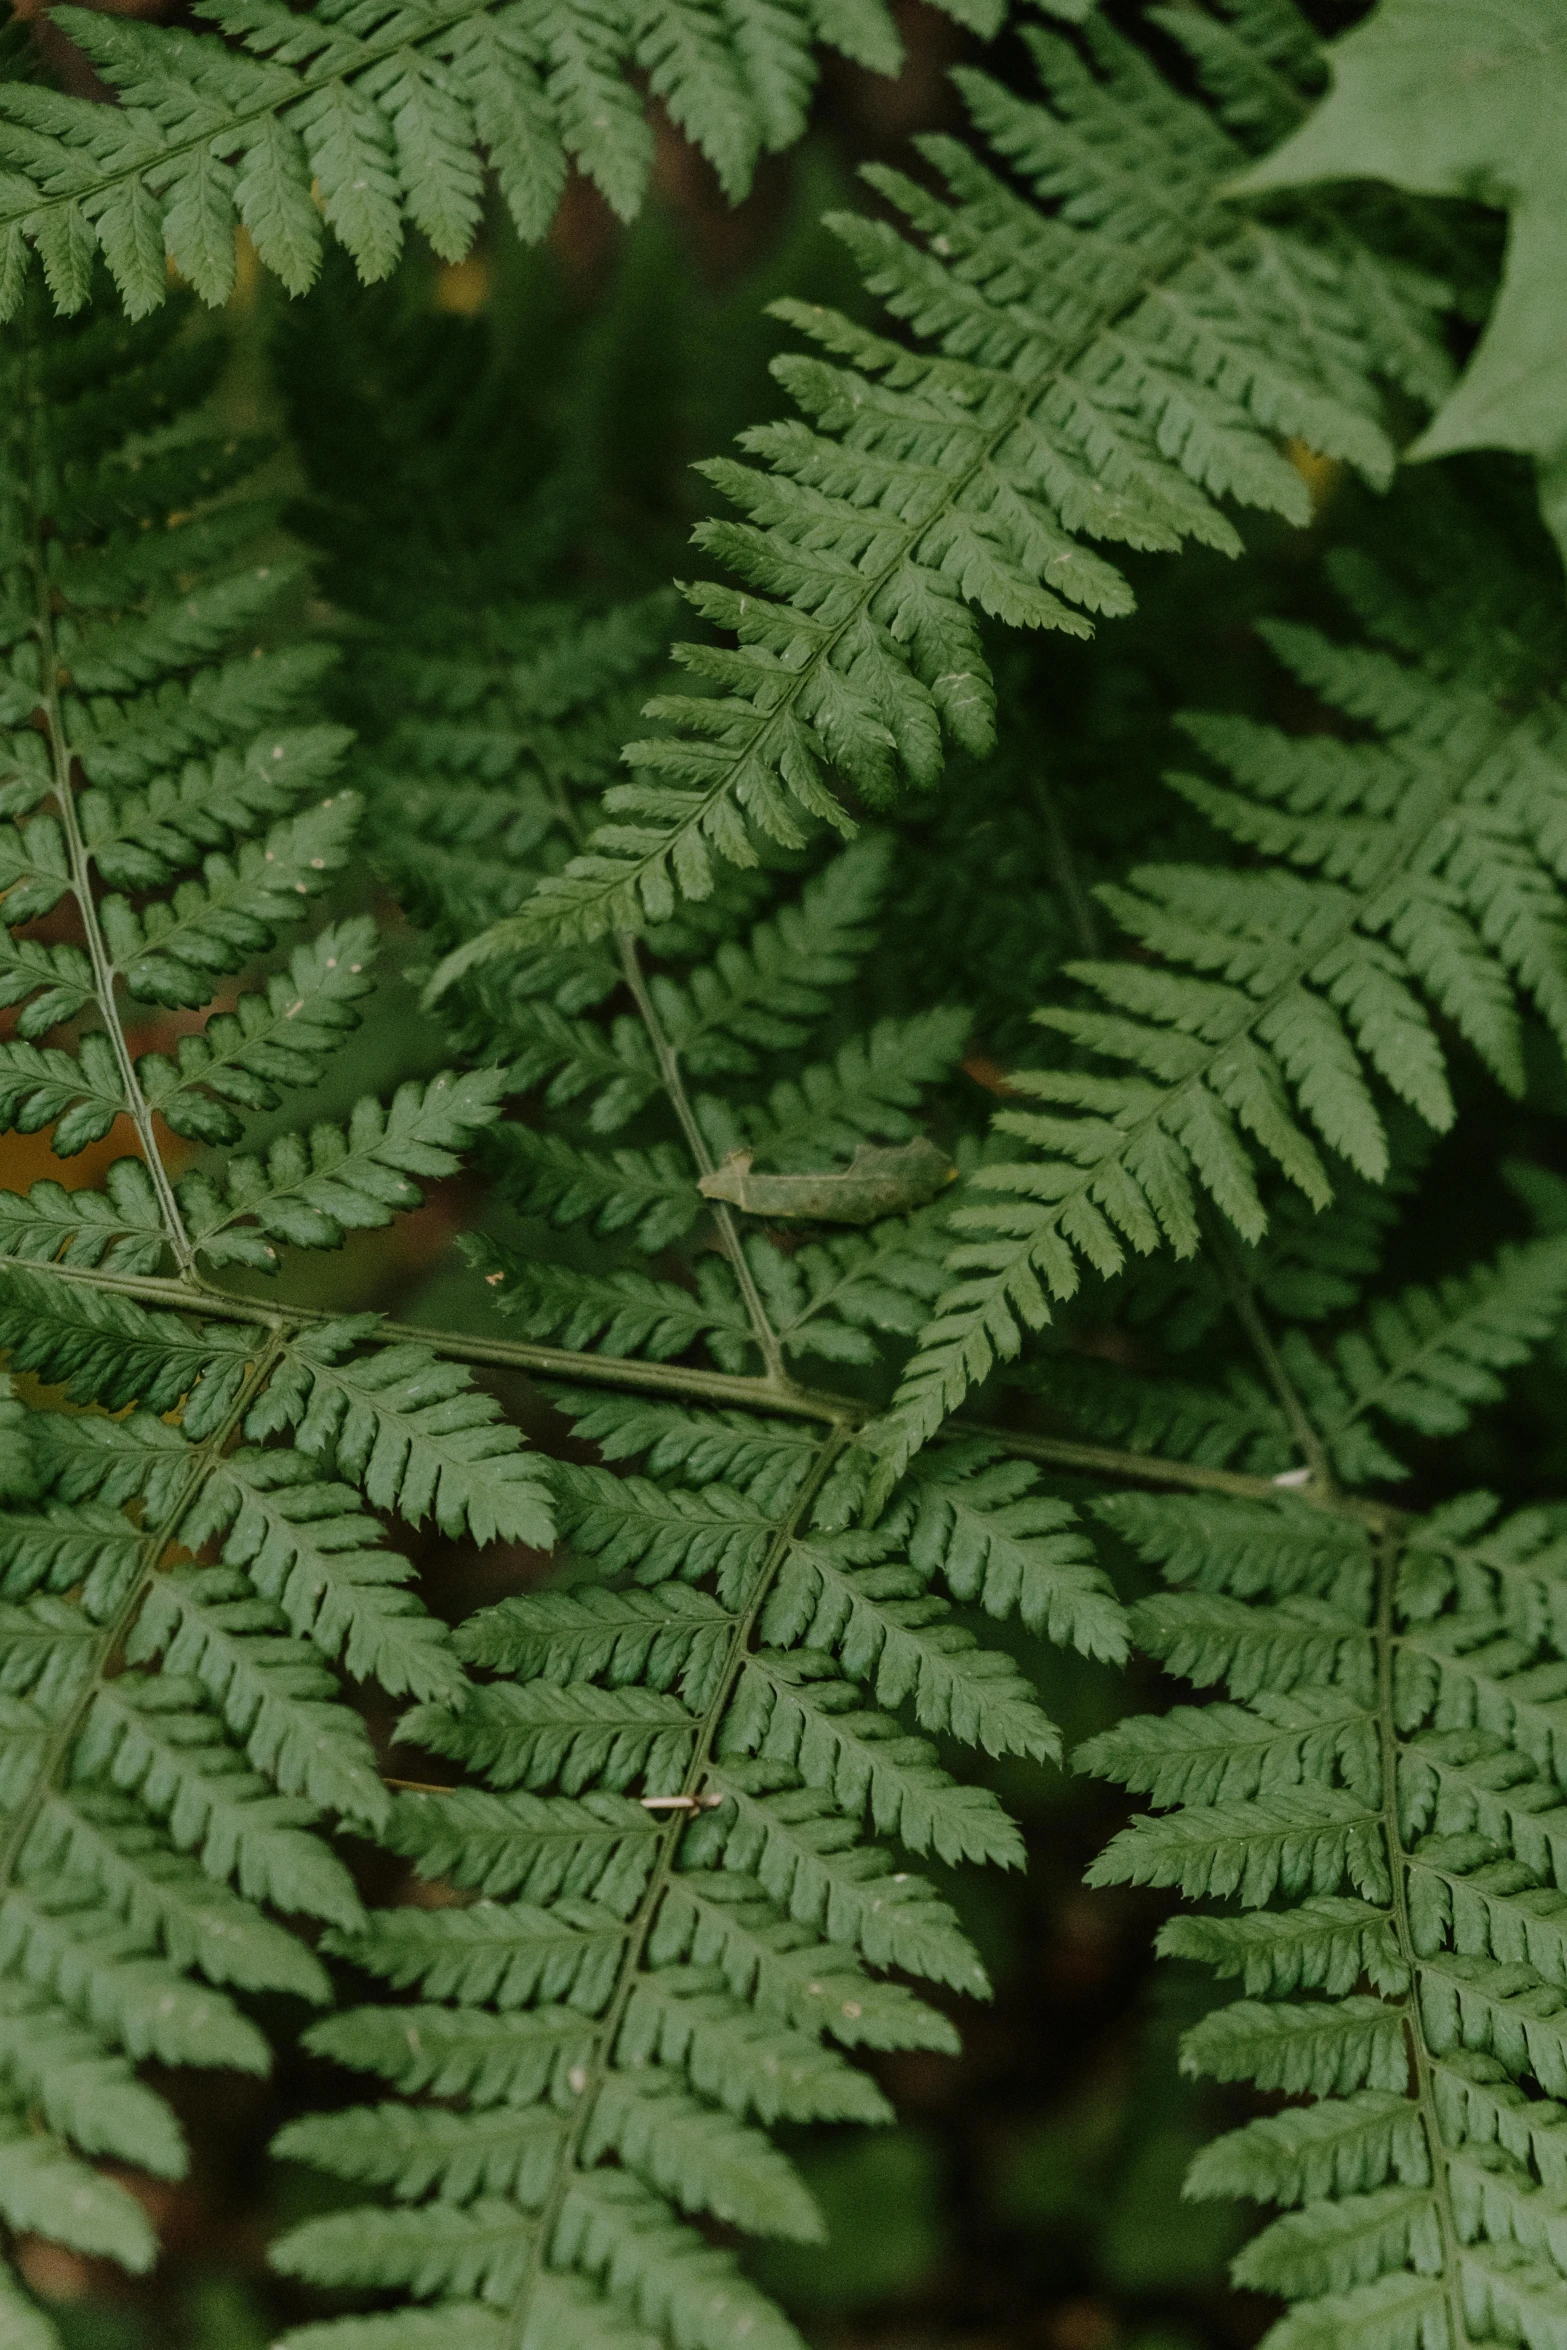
(671, 1851)
(179, 1594)
(485, 755)
(1105, 360)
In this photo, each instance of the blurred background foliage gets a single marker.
(1029, 2196)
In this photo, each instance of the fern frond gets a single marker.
(156, 1739)
(657, 1531)
(809, 1861)
(42, 2186)
(1106, 359)
(849, 1596)
(686, 1768)
(171, 951)
(675, 1637)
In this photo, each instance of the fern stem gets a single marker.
(668, 1062)
(1148, 1468)
(1242, 1297)
(64, 1733)
(49, 667)
(627, 1374)
(1082, 913)
(463, 1346)
(663, 1868)
(696, 1143)
(1414, 2027)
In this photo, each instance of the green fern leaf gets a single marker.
(170, 1731)
(535, 1847)
(273, 1042)
(618, 1312)
(305, 1545)
(119, 1228)
(273, 1692)
(310, 1191)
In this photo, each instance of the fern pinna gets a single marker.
(367, 120)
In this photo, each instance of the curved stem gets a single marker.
(628, 1375)
(1148, 1468)
(696, 1143)
(1242, 1296)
